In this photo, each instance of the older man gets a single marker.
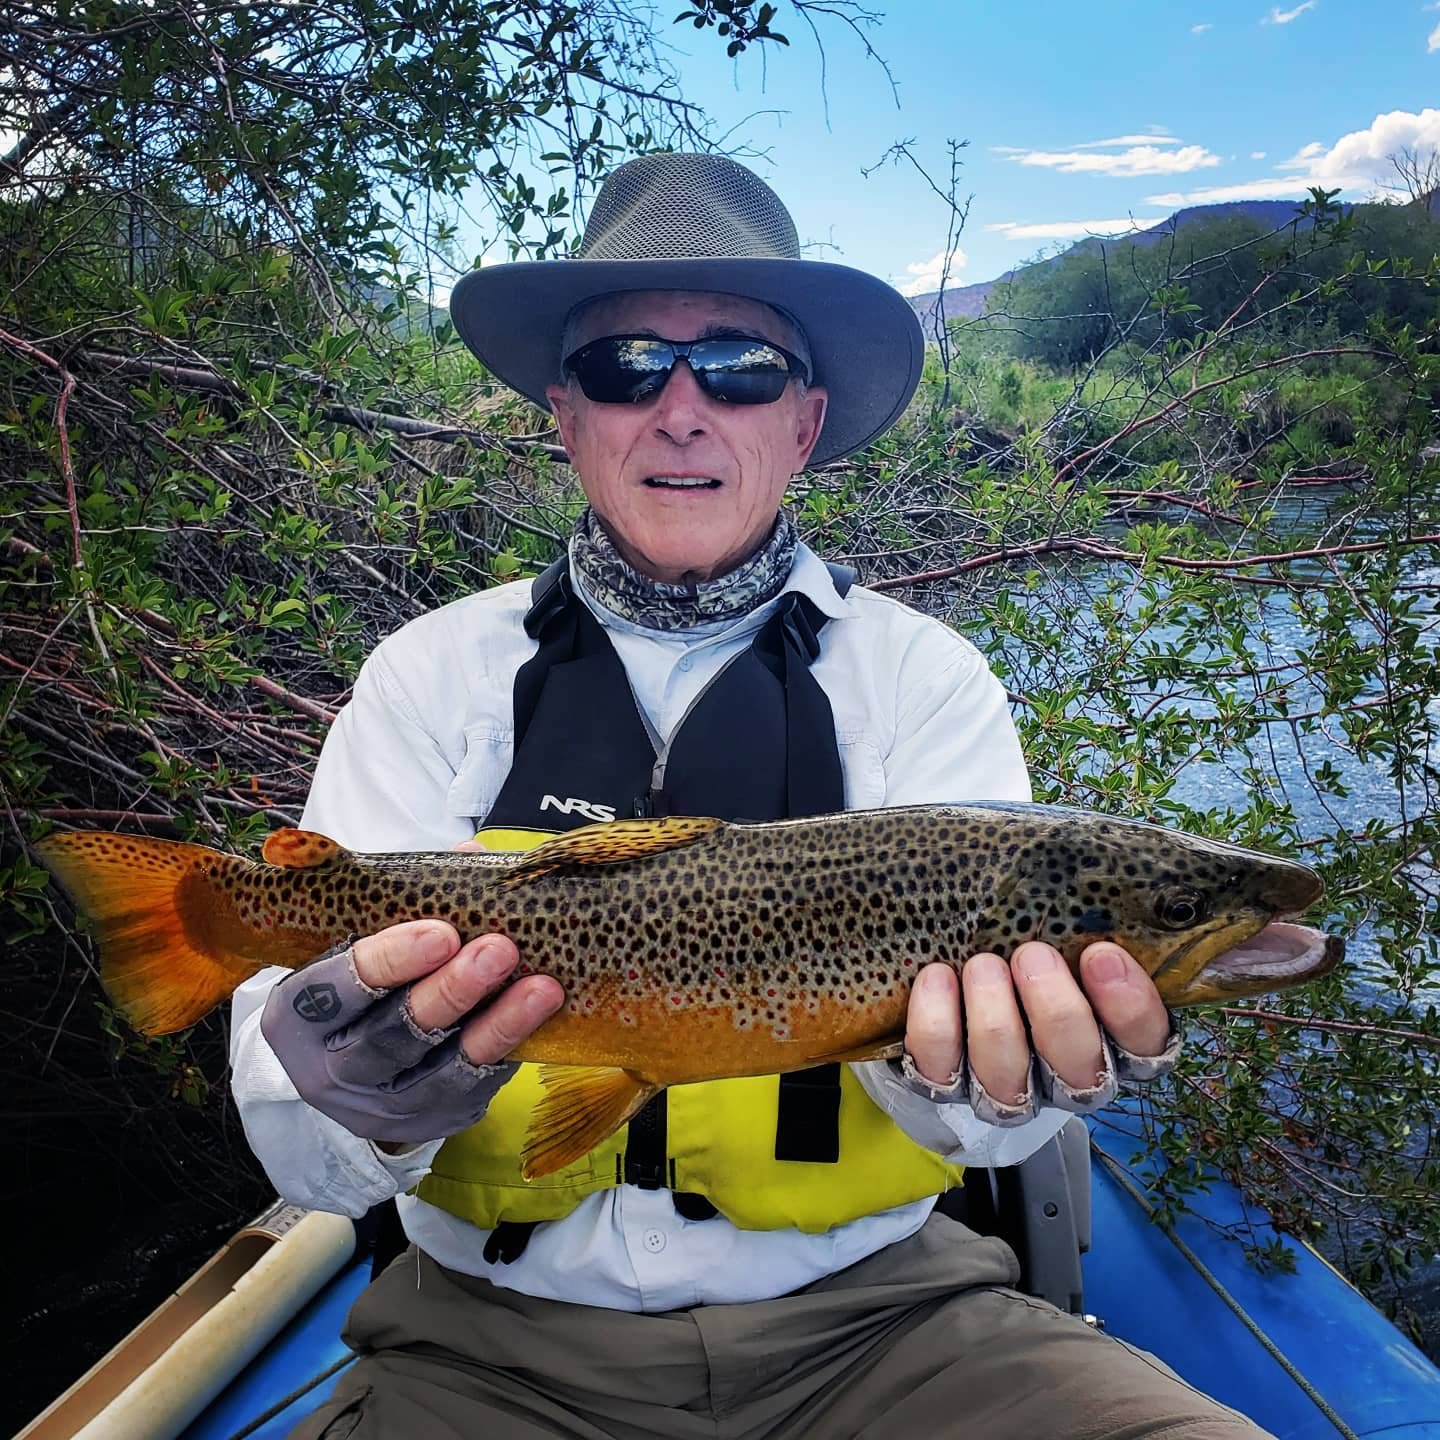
(751, 1257)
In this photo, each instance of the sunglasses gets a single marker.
(738, 369)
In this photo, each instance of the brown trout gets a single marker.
(695, 949)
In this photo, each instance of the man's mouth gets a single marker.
(681, 482)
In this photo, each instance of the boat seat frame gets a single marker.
(1041, 1209)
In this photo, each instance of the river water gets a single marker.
(1284, 766)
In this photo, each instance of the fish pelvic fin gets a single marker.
(615, 843)
(582, 1105)
(159, 913)
(886, 1048)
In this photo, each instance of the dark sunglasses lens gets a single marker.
(618, 371)
(740, 372)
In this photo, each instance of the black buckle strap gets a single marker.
(807, 1122)
(645, 1146)
(508, 1240)
(797, 618)
(549, 595)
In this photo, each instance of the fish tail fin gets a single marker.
(158, 910)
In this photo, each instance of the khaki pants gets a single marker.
(923, 1339)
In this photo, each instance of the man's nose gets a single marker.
(680, 409)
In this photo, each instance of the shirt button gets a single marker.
(654, 1241)
(685, 663)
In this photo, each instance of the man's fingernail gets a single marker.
(986, 969)
(1037, 960)
(1105, 966)
(542, 1002)
(436, 942)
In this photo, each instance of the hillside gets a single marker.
(968, 301)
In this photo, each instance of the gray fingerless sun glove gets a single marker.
(1044, 1089)
(356, 1054)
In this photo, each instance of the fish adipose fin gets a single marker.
(167, 955)
(582, 1105)
(614, 844)
(300, 849)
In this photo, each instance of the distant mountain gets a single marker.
(968, 301)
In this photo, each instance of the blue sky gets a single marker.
(1078, 114)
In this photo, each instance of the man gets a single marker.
(749, 1258)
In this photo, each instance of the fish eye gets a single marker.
(1177, 908)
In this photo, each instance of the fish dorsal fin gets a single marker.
(300, 849)
(582, 1105)
(615, 843)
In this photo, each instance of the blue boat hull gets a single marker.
(1139, 1284)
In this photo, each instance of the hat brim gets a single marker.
(865, 340)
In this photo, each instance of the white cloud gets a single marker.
(1278, 188)
(1277, 16)
(1066, 229)
(1200, 29)
(1433, 43)
(1257, 154)
(1155, 134)
(1358, 161)
(1303, 158)
(1137, 160)
(1366, 152)
(926, 273)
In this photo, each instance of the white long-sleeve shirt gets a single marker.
(416, 760)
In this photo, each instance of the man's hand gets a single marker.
(370, 1034)
(984, 1007)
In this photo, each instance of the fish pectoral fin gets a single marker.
(614, 843)
(300, 849)
(582, 1105)
(886, 1048)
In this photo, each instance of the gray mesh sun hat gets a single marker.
(702, 222)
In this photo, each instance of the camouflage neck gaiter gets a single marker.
(660, 606)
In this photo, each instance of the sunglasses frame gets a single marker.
(681, 350)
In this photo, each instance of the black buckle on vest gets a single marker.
(645, 1146)
(646, 1176)
(549, 595)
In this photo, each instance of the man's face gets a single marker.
(625, 453)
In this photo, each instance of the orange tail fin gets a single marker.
(168, 936)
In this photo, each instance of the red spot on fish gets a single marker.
(769, 992)
(632, 974)
(589, 1004)
(674, 999)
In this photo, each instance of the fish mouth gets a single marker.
(1275, 957)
